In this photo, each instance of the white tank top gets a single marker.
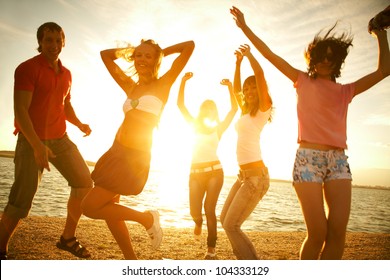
(205, 147)
(248, 136)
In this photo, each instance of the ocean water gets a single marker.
(278, 211)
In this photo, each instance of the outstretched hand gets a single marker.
(86, 129)
(187, 76)
(238, 17)
(245, 49)
(226, 82)
(380, 22)
(239, 56)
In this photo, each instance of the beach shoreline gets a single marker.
(36, 237)
(10, 154)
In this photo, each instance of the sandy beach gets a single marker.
(36, 237)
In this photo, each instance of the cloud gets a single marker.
(67, 5)
(378, 119)
(8, 30)
(380, 145)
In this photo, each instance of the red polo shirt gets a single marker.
(49, 91)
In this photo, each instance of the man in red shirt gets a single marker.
(42, 106)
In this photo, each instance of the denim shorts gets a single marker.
(319, 166)
(68, 162)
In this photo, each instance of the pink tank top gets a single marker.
(322, 110)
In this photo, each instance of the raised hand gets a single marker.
(226, 82)
(187, 76)
(380, 22)
(239, 56)
(245, 49)
(238, 17)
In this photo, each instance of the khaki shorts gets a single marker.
(68, 162)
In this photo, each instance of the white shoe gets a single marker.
(210, 256)
(155, 232)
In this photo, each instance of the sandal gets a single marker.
(73, 246)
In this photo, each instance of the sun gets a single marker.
(171, 158)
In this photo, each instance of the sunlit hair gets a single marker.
(246, 108)
(208, 115)
(317, 50)
(205, 108)
(129, 52)
(52, 26)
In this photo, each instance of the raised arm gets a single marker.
(289, 71)
(185, 50)
(109, 56)
(261, 83)
(237, 79)
(233, 109)
(180, 98)
(383, 69)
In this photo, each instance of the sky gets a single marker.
(286, 26)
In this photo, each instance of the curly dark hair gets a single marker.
(317, 51)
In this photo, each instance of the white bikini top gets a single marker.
(147, 103)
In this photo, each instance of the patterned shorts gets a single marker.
(320, 166)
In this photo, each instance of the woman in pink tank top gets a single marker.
(321, 171)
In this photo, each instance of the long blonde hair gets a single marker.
(201, 119)
(128, 55)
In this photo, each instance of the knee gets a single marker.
(229, 226)
(197, 219)
(317, 237)
(196, 216)
(79, 193)
(87, 207)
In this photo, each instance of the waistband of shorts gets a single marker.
(207, 168)
(319, 147)
(254, 172)
(116, 145)
(23, 137)
(323, 152)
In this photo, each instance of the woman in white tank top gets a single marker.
(253, 178)
(206, 177)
